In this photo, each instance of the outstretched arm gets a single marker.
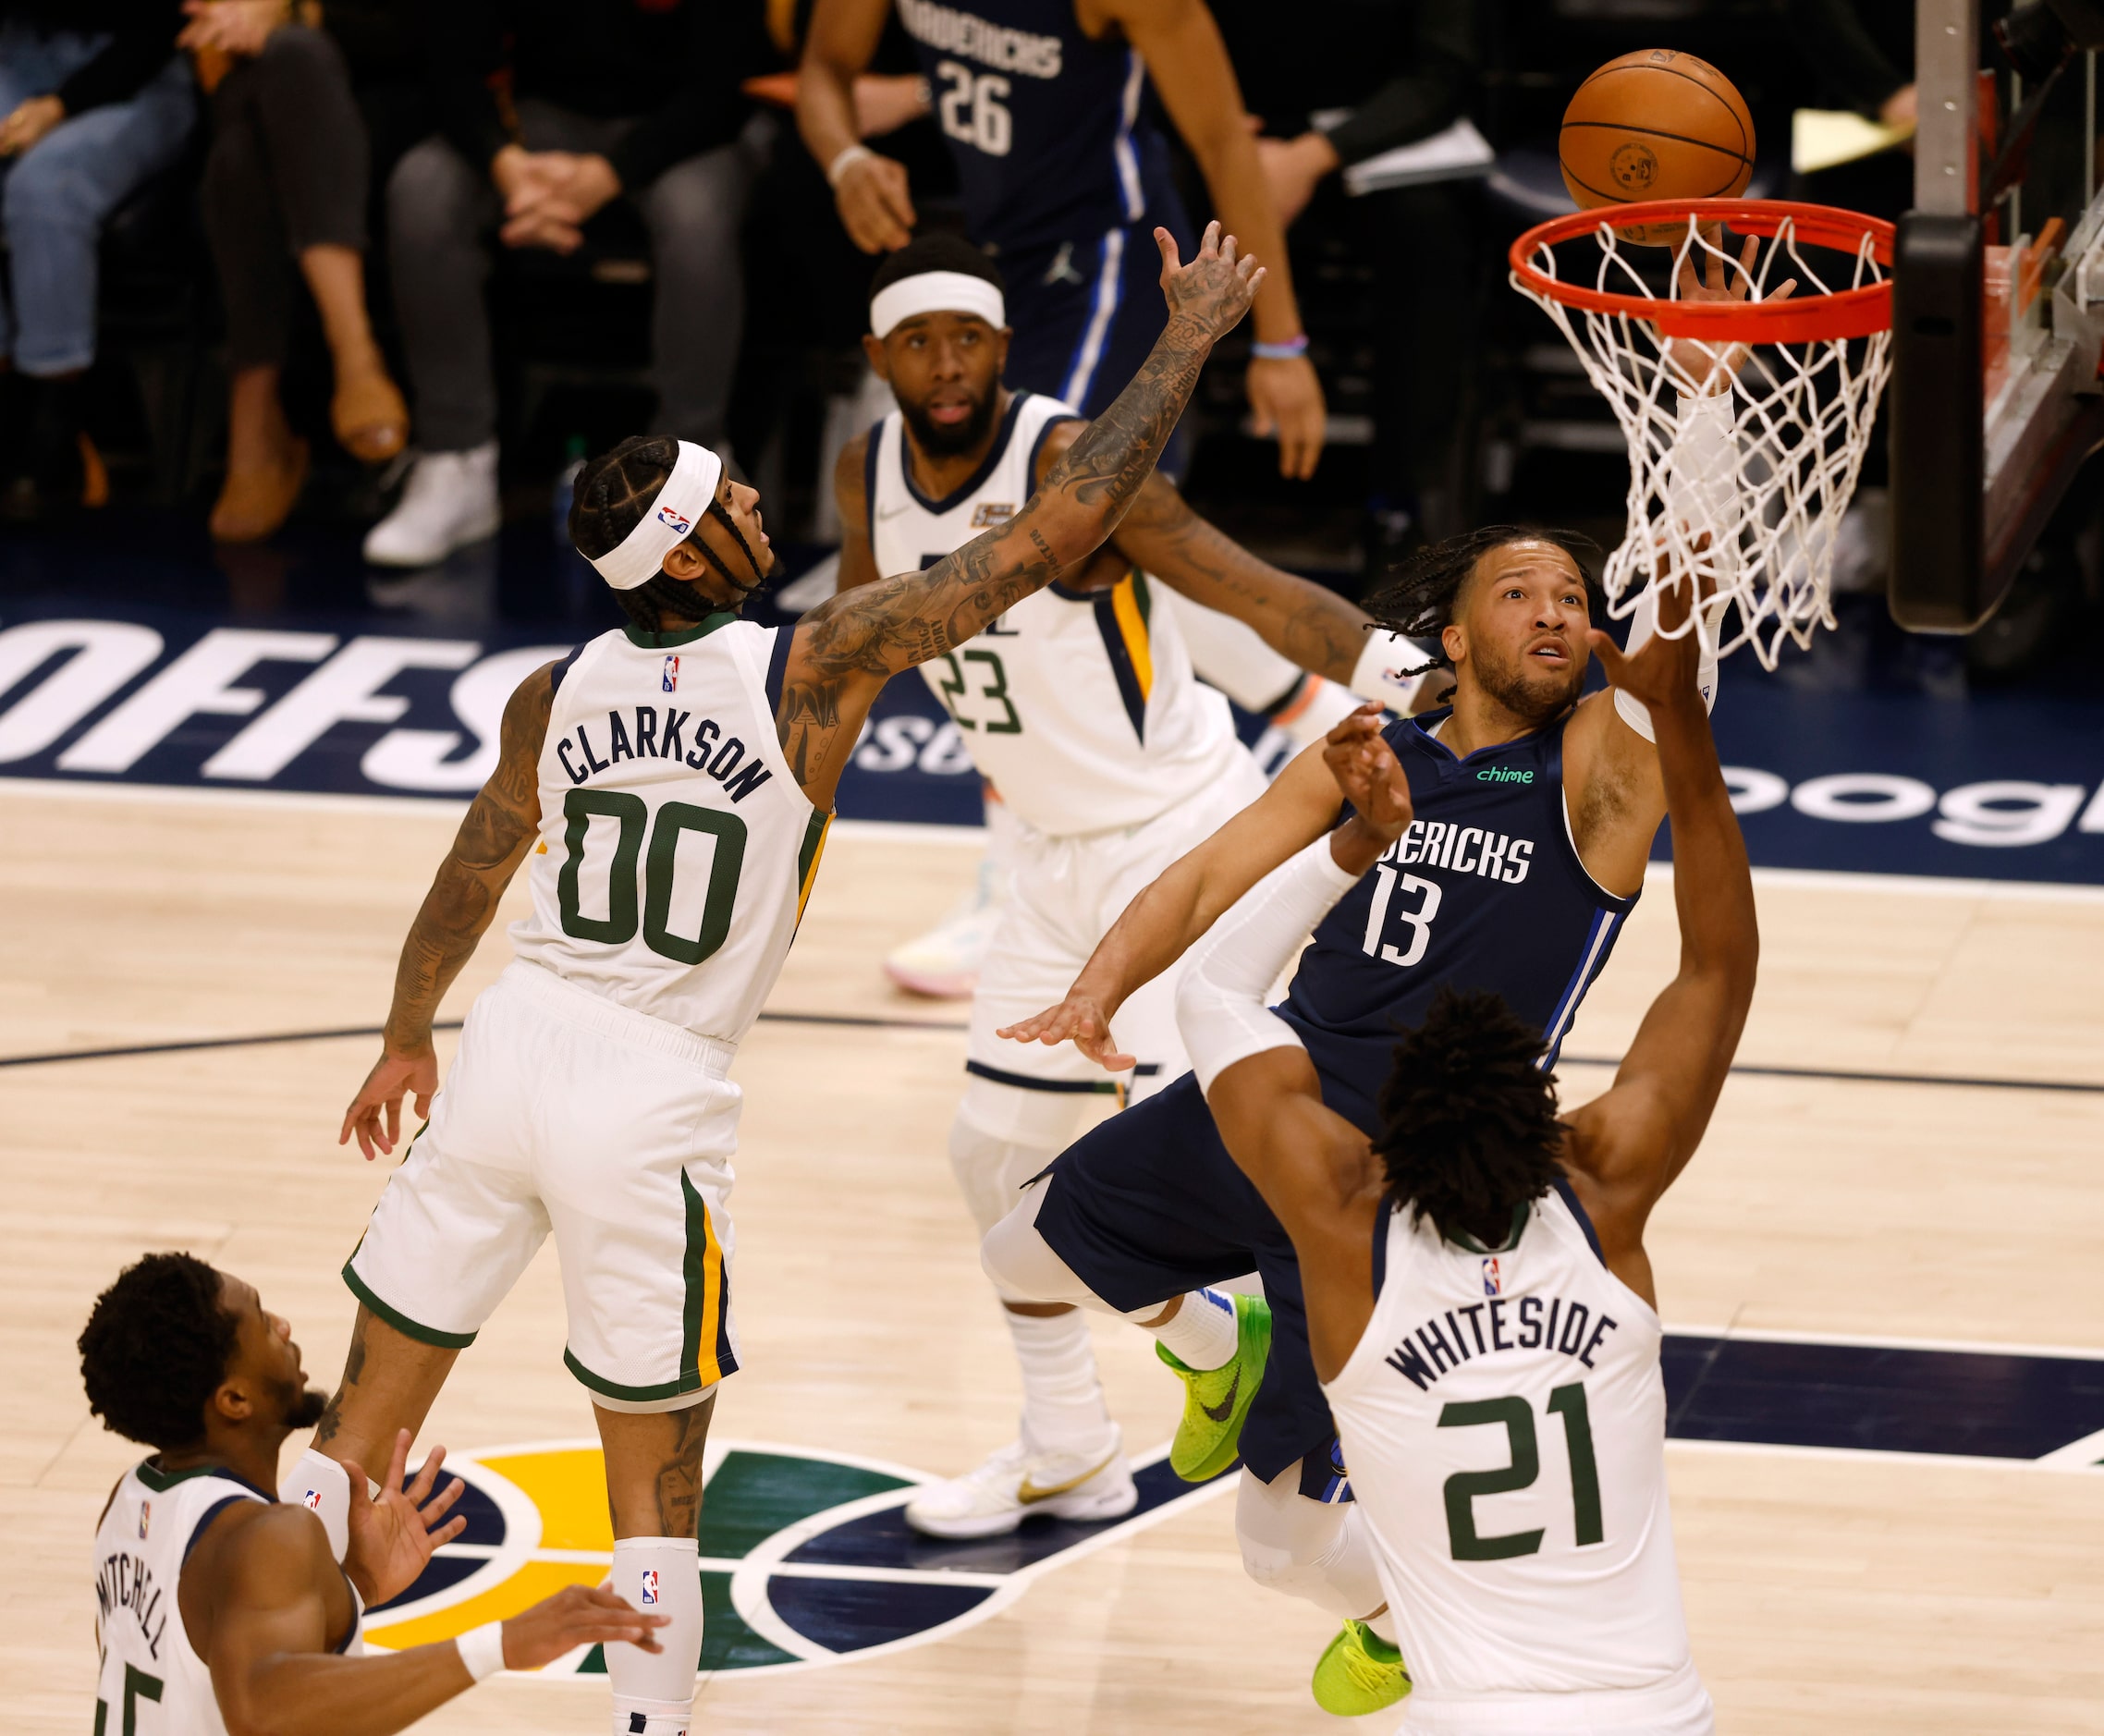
(1313, 1169)
(492, 842)
(1184, 900)
(1633, 1141)
(270, 1597)
(845, 650)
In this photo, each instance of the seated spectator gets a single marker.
(93, 101)
(1411, 70)
(288, 181)
(610, 99)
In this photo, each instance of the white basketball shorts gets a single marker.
(564, 1111)
(1066, 894)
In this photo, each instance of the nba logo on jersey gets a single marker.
(678, 520)
(671, 681)
(649, 1586)
(312, 1498)
(145, 1518)
(1492, 1283)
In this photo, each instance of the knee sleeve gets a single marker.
(1315, 1550)
(660, 1575)
(1022, 1266)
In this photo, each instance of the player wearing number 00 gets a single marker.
(1080, 706)
(669, 784)
(1480, 1305)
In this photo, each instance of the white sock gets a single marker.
(318, 1482)
(1202, 1333)
(653, 1693)
(1062, 1400)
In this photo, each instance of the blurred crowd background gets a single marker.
(324, 292)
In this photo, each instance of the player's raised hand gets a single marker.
(874, 202)
(375, 1114)
(1372, 779)
(1663, 670)
(577, 1615)
(1703, 370)
(1079, 1020)
(394, 1536)
(1216, 287)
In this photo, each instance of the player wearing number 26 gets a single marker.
(669, 785)
(1481, 1308)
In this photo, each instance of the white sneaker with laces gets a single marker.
(1017, 1483)
(450, 500)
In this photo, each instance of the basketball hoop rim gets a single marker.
(1857, 313)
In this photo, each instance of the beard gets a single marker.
(305, 1408)
(945, 442)
(1530, 694)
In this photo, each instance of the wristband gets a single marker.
(848, 156)
(1292, 350)
(482, 1649)
(1378, 675)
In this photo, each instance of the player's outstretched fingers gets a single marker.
(1172, 257)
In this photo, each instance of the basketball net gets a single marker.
(1746, 422)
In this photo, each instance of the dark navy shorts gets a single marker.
(1085, 312)
(1149, 1205)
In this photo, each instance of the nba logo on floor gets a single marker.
(672, 680)
(678, 520)
(1492, 1283)
(649, 1586)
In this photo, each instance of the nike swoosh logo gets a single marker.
(1226, 1408)
(1029, 1494)
(883, 513)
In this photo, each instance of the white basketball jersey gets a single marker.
(1080, 707)
(1504, 1421)
(151, 1684)
(676, 849)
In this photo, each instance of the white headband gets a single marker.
(936, 292)
(640, 556)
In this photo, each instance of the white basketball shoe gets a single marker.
(450, 500)
(1017, 1483)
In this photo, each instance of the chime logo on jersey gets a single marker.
(805, 1557)
(670, 682)
(1492, 1284)
(673, 516)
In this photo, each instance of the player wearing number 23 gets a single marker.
(1481, 1307)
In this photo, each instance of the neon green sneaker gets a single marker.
(1216, 1401)
(1359, 1672)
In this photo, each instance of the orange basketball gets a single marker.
(1655, 125)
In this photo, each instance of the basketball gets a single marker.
(1656, 124)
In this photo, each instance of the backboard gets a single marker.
(1997, 312)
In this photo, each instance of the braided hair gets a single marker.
(155, 1347)
(614, 492)
(1418, 600)
(1468, 1118)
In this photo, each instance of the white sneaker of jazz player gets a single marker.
(450, 500)
(1017, 1483)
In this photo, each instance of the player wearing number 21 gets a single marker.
(669, 786)
(1480, 1303)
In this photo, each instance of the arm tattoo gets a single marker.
(487, 853)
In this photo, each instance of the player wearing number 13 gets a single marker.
(669, 784)
(1480, 1305)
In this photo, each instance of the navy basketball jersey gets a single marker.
(1048, 130)
(1484, 891)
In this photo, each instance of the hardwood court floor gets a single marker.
(1826, 1591)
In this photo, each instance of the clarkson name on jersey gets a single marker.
(722, 757)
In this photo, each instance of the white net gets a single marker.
(1742, 460)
